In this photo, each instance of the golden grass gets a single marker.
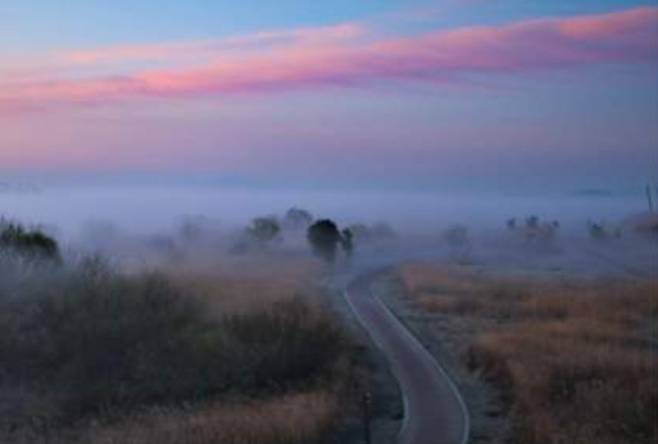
(302, 418)
(237, 285)
(295, 418)
(576, 360)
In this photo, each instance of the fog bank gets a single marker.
(144, 209)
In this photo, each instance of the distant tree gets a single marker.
(596, 231)
(602, 231)
(35, 243)
(540, 234)
(297, 218)
(540, 231)
(532, 222)
(263, 230)
(511, 223)
(324, 237)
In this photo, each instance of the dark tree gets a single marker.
(32, 243)
(264, 229)
(297, 218)
(511, 223)
(324, 237)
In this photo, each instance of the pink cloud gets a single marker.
(339, 55)
(208, 48)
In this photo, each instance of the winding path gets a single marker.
(435, 412)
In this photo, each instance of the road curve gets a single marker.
(435, 412)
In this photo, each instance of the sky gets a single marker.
(410, 94)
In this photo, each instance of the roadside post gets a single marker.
(367, 407)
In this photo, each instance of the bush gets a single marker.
(94, 339)
(324, 238)
(297, 219)
(32, 243)
(263, 230)
(602, 231)
(87, 340)
(283, 346)
(536, 232)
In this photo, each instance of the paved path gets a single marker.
(435, 413)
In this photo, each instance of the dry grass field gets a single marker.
(574, 360)
(296, 418)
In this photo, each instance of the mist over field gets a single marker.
(202, 226)
(147, 210)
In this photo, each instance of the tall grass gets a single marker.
(575, 360)
(295, 418)
(83, 342)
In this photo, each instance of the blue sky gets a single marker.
(39, 24)
(412, 92)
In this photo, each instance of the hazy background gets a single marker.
(149, 209)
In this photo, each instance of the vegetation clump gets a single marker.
(325, 237)
(87, 340)
(602, 231)
(535, 231)
(261, 233)
(297, 219)
(33, 243)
